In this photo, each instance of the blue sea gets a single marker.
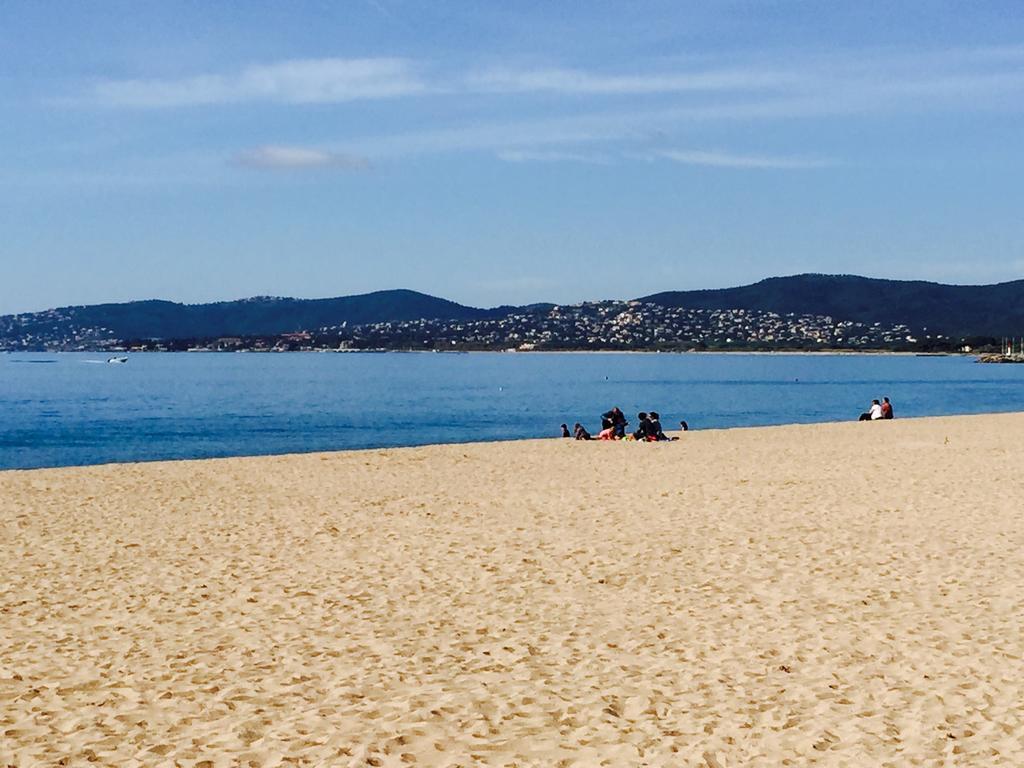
(71, 409)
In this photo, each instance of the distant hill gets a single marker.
(953, 310)
(246, 317)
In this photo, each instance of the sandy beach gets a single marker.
(828, 595)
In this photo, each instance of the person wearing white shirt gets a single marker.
(874, 413)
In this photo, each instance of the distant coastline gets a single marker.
(769, 352)
(796, 313)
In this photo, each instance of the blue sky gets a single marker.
(502, 153)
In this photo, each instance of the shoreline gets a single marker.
(687, 435)
(780, 352)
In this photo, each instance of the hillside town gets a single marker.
(604, 325)
(54, 330)
(628, 325)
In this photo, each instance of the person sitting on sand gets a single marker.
(565, 431)
(874, 413)
(684, 426)
(608, 433)
(654, 430)
(615, 419)
(886, 408)
(580, 433)
(641, 430)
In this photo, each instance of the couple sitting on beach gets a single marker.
(878, 411)
(650, 428)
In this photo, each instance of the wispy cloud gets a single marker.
(296, 81)
(298, 158)
(720, 159)
(672, 101)
(856, 81)
(538, 156)
(713, 158)
(306, 81)
(526, 135)
(605, 135)
(582, 82)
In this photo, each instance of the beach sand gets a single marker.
(827, 595)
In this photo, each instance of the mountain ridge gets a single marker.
(954, 310)
(957, 310)
(159, 318)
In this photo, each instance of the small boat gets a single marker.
(117, 359)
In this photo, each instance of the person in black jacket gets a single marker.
(641, 429)
(615, 419)
(654, 427)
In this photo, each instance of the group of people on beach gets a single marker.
(878, 411)
(614, 424)
(649, 430)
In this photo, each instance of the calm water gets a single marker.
(71, 409)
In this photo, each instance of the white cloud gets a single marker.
(298, 158)
(606, 126)
(713, 158)
(296, 81)
(843, 81)
(599, 136)
(529, 135)
(581, 82)
(537, 156)
(720, 159)
(809, 84)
